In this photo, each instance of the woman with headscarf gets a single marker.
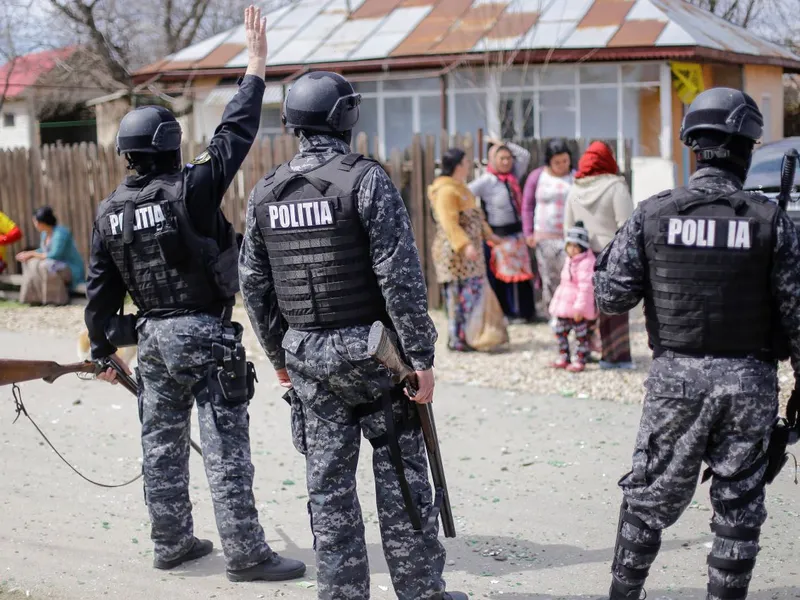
(458, 255)
(601, 199)
(543, 204)
(510, 272)
(53, 269)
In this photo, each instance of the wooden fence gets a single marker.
(73, 180)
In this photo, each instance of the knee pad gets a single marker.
(733, 566)
(639, 548)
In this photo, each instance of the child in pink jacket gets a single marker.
(573, 304)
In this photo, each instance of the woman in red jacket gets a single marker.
(9, 233)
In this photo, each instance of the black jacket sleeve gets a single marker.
(210, 174)
(106, 291)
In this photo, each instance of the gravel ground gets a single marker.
(524, 367)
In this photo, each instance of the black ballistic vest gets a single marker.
(167, 267)
(709, 260)
(318, 249)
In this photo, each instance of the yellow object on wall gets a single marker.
(688, 80)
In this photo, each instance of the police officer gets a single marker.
(328, 250)
(162, 237)
(719, 272)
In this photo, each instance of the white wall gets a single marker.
(20, 135)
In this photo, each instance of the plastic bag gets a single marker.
(486, 326)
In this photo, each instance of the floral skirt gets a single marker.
(475, 318)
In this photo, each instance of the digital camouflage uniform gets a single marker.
(333, 375)
(174, 357)
(720, 411)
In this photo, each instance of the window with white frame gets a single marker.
(608, 101)
(271, 123)
(396, 109)
(9, 120)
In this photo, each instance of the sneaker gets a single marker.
(275, 568)
(576, 367)
(199, 549)
(561, 363)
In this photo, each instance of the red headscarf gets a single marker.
(597, 160)
(513, 184)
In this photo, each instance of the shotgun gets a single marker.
(382, 348)
(14, 371)
(788, 167)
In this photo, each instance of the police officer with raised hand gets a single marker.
(328, 250)
(719, 272)
(162, 237)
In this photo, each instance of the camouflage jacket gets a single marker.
(395, 261)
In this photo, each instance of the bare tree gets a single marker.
(126, 35)
(15, 40)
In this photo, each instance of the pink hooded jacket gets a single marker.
(575, 293)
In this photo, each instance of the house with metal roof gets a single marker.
(610, 69)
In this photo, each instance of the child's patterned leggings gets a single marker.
(562, 329)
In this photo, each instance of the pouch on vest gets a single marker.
(226, 267)
(170, 241)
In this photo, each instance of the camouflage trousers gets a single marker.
(714, 410)
(174, 356)
(332, 375)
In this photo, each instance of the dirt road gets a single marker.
(533, 483)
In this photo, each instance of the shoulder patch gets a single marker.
(203, 157)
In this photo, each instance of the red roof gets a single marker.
(25, 70)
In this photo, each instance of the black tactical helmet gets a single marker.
(149, 129)
(725, 110)
(321, 101)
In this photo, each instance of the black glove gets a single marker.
(793, 407)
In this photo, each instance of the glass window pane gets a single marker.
(366, 87)
(271, 118)
(599, 114)
(368, 121)
(599, 74)
(641, 122)
(412, 85)
(468, 79)
(551, 75)
(644, 73)
(470, 113)
(517, 77)
(557, 113)
(399, 123)
(430, 117)
(507, 117)
(528, 114)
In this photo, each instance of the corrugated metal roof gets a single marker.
(220, 96)
(322, 31)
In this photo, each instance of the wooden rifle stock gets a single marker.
(382, 348)
(18, 371)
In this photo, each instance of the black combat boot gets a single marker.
(455, 596)
(199, 549)
(624, 591)
(275, 568)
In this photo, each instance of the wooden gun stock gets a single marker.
(381, 347)
(18, 371)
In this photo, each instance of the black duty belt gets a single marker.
(762, 356)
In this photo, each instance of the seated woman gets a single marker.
(50, 271)
(9, 233)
